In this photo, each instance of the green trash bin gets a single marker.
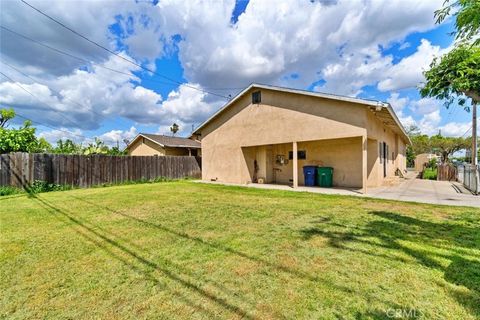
(325, 177)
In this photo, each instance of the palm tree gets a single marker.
(174, 128)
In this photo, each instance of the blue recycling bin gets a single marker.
(309, 174)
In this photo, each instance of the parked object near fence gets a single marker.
(446, 172)
(469, 180)
(22, 169)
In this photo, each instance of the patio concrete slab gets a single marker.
(410, 189)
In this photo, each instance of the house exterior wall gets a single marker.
(334, 133)
(422, 159)
(378, 133)
(145, 147)
(281, 118)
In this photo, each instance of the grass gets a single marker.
(429, 174)
(189, 250)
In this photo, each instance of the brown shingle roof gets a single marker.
(172, 141)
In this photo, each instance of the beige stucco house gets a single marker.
(146, 144)
(269, 133)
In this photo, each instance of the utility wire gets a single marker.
(466, 132)
(118, 55)
(130, 75)
(40, 123)
(58, 93)
(48, 126)
(52, 108)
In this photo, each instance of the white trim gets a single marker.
(373, 103)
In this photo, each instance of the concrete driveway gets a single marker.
(427, 191)
(410, 189)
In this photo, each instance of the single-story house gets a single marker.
(422, 159)
(267, 134)
(146, 144)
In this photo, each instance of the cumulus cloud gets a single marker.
(114, 137)
(408, 72)
(337, 43)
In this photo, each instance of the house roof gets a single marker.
(383, 110)
(167, 141)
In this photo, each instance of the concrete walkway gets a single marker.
(410, 189)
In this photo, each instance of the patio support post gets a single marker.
(295, 165)
(364, 164)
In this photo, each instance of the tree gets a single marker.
(455, 75)
(5, 116)
(97, 147)
(67, 147)
(467, 18)
(22, 139)
(446, 146)
(174, 128)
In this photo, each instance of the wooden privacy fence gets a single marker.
(22, 169)
(446, 172)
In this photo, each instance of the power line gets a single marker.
(52, 108)
(466, 132)
(118, 55)
(48, 126)
(40, 123)
(58, 93)
(130, 75)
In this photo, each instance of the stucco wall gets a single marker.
(282, 118)
(145, 147)
(377, 132)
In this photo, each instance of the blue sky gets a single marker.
(373, 50)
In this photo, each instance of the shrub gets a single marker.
(7, 190)
(429, 174)
(43, 186)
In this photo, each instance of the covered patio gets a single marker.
(282, 164)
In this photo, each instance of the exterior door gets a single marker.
(384, 156)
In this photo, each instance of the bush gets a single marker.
(7, 190)
(43, 186)
(429, 174)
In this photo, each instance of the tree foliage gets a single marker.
(455, 74)
(467, 18)
(67, 146)
(5, 116)
(22, 139)
(447, 146)
(174, 128)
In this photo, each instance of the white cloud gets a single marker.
(53, 136)
(408, 72)
(339, 43)
(425, 106)
(113, 137)
(397, 103)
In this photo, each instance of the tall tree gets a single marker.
(174, 128)
(454, 75)
(447, 146)
(467, 18)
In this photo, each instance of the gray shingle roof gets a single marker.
(172, 141)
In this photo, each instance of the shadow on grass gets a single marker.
(101, 240)
(392, 229)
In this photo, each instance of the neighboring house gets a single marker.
(271, 133)
(422, 159)
(154, 144)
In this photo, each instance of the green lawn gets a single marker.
(190, 250)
